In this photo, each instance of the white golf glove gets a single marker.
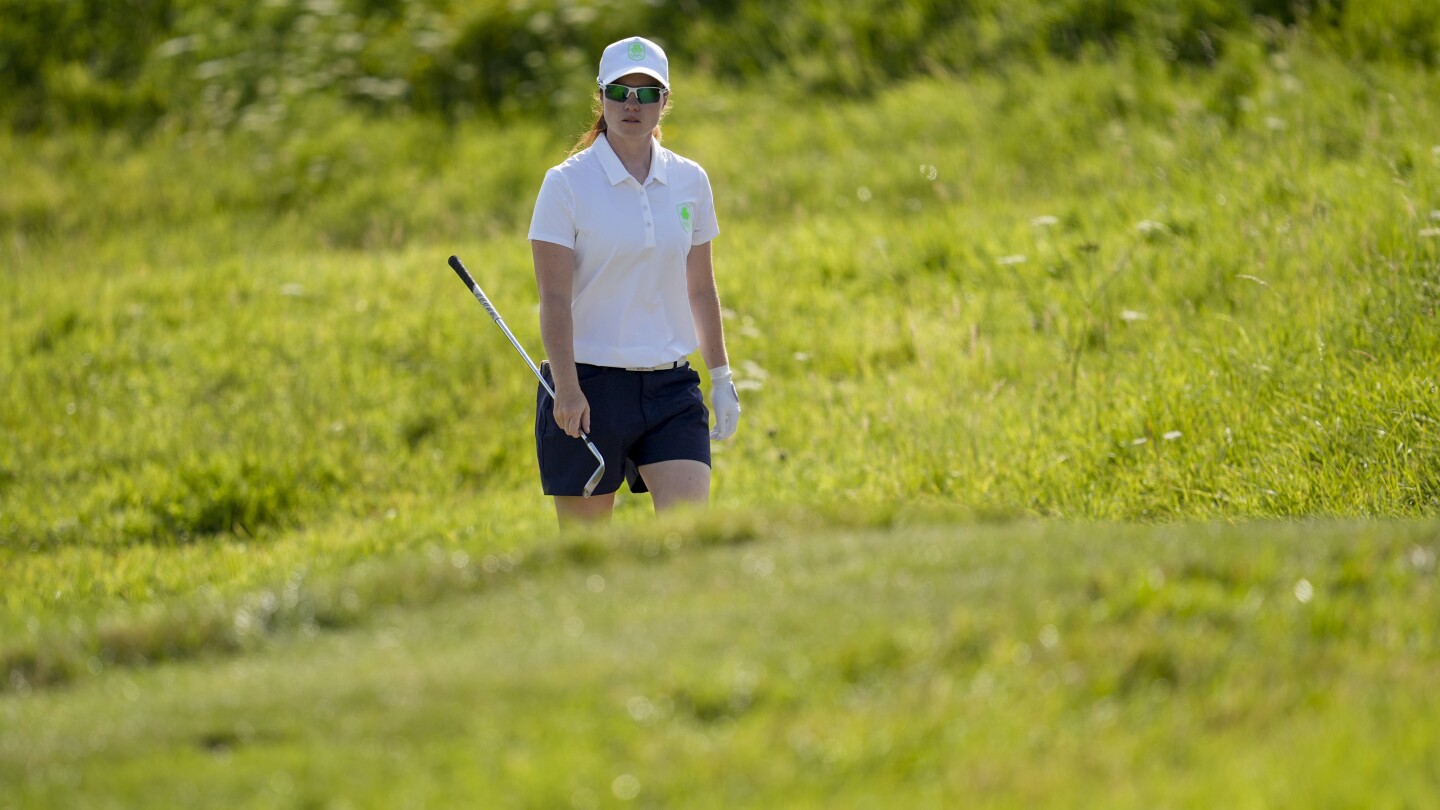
(725, 402)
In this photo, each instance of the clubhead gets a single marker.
(599, 471)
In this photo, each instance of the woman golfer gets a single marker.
(621, 241)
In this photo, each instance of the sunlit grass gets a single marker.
(1099, 291)
(1018, 348)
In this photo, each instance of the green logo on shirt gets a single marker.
(687, 216)
(637, 52)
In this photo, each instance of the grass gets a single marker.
(1056, 326)
(963, 322)
(1017, 665)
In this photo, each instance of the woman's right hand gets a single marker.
(572, 411)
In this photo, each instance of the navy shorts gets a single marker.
(636, 418)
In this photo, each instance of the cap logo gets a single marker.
(687, 216)
(637, 52)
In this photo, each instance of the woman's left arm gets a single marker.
(705, 306)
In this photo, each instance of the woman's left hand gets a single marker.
(725, 401)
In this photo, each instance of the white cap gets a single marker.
(634, 55)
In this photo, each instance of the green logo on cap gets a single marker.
(687, 216)
(637, 52)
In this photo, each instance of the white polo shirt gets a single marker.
(630, 303)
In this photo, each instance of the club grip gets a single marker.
(459, 268)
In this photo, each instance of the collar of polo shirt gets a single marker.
(615, 170)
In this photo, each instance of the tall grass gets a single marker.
(1098, 288)
(234, 65)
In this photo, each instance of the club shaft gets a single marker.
(513, 342)
(459, 268)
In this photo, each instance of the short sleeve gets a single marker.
(707, 227)
(554, 217)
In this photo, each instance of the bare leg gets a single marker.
(575, 509)
(681, 482)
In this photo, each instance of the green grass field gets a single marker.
(1089, 448)
(1276, 664)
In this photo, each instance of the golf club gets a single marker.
(479, 294)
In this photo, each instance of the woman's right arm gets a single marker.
(555, 276)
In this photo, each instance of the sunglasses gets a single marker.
(644, 95)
